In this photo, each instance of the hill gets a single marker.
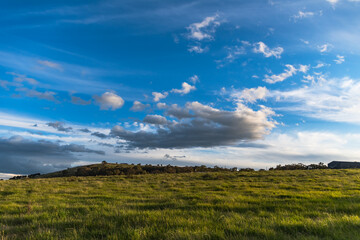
(317, 204)
(108, 169)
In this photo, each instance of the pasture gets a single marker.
(308, 204)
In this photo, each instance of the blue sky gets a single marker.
(229, 83)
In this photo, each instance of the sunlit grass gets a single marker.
(316, 204)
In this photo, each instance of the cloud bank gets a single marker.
(23, 156)
(199, 125)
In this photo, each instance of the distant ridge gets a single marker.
(108, 169)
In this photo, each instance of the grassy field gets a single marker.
(316, 204)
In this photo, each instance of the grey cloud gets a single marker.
(23, 78)
(178, 112)
(207, 127)
(47, 95)
(60, 126)
(80, 149)
(6, 84)
(138, 106)
(174, 158)
(19, 81)
(22, 156)
(155, 119)
(106, 144)
(99, 135)
(85, 130)
(79, 101)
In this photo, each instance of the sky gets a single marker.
(208, 82)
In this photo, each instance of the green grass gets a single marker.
(317, 204)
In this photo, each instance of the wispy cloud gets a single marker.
(194, 79)
(202, 31)
(251, 94)
(50, 64)
(79, 101)
(261, 47)
(330, 100)
(60, 126)
(23, 78)
(320, 65)
(289, 72)
(47, 95)
(325, 48)
(340, 59)
(198, 49)
(301, 15)
(333, 2)
(233, 53)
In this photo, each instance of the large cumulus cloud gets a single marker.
(198, 125)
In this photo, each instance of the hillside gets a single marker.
(108, 169)
(317, 204)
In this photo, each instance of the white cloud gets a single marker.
(261, 47)
(23, 78)
(197, 49)
(289, 72)
(233, 53)
(203, 30)
(6, 176)
(333, 2)
(303, 68)
(302, 146)
(340, 59)
(251, 94)
(331, 100)
(50, 64)
(109, 100)
(302, 15)
(186, 88)
(194, 79)
(305, 41)
(320, 65)
(158, 96)
(308, 78)
(325, 48)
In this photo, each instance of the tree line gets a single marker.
(108, 169)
